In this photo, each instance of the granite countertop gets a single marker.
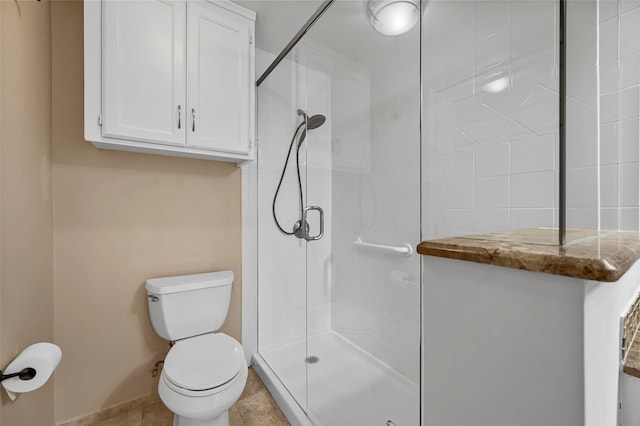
(588, 254)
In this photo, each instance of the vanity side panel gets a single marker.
(501, 346)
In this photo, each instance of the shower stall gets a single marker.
(338, 217)
(368, 144)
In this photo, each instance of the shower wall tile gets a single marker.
(492, 193)
(488, 220)
(492, 120)
(585, 218)
(628, 5)
(629, 137)
(532, 218)
(619, 115)
(528, 18)
(609, 186)
(532, 190)
(609, 218)
(608, 143)
(582, 189)
(629, 219)
(629, 188)
(607, 9)
(492, 160)
(460, 165)
(609, 40)
(629, 102)
(629, 73)
(534, 154)
(629, 31)
(609, 75)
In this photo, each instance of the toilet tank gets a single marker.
(188, 305)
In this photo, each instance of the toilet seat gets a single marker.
(203, 364)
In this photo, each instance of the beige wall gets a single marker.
(26, 230)
(73, 265)
(120, 218)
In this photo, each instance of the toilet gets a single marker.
(204, 372)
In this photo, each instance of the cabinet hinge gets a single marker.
(99, 119)
(250, 143)
(250, 39)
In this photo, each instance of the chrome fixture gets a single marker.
(393, 17)
(301, 227)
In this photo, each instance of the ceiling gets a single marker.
(344, 28)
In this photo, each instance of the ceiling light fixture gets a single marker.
(393, 17)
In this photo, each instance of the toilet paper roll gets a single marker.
(43, 357)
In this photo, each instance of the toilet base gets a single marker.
(221, 420)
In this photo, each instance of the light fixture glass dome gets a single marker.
(393, 17)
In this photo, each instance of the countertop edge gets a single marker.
(605, 258)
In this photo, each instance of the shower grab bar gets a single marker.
(403, 250)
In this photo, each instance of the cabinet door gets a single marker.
(143, 89)
(218, 81)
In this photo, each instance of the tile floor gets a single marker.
(254, 408)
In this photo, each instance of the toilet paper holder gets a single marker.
(27, 373)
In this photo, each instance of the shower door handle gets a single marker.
(304, 220)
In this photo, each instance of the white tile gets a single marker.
(630, 33)
(492, 193)
(492, 160)
(459, 222)
(529, 218)
(582, 188)
(609, 143)
(609, 77)
(629, 72)
(629, 219)
(459, 66)
(460, 194)
(609, 40)
(582, 135)
(532, 25)
(609, 186)
(609, 107)
(434, 195)
(491, 220)
(629, 101)
(609, 219)
(533, 154)
(460, 165)
(629, 141)
(582, 218)
(492, 50)
(628, 184)
(533, 190)
(491, 18)
(607, 9)
(628, 5)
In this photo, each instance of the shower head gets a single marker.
(316, 121)
(313, 122)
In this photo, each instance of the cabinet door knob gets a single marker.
(179, 116)
(193, 118)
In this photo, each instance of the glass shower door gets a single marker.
(362, 175)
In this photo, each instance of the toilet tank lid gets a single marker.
(188, 282)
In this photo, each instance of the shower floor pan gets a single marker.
(346, 386)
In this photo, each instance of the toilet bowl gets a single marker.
(202, 378)
(204, 372)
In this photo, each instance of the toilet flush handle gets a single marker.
(153, 298)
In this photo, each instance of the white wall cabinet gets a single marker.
(170, 77)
